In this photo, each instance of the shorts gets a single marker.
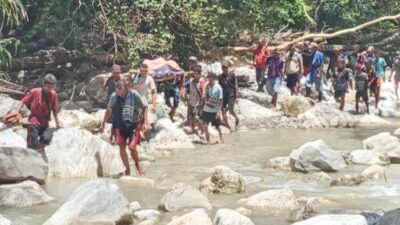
(122, 135)
(228, 103)
(292, 80)
(194, 111)
(38, 135)
(259, 75)
(274, 85)
(363, 95)
(172, 94)
(340, 94)
(311, 80)
(211, 118)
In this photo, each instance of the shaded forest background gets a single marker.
(133, 29)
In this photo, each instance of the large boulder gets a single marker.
(8, 138)
(383, 144)
(19, 164)
(315, 156)
(182, 196)
(169, 136)
(388, 108)
(223, 181)
(251, 110)
(326, 115)
(364, 157)
(280, 199)
(370, 120)
(94, 202)
(8, 105)
(4, 221)
(231, 217)
(334, 220)
(196, 217)
(390, 218)
(293, 106)
(80, 119)
(25, 194)
(74, 152)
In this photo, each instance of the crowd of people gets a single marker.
(209, 99)
(362, 71)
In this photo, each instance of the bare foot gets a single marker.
(140, 170)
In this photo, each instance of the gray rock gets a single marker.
(223, 181)
(334, 220)
(169, 136)
(310, 209)
(390, 218)
(281, 199)
(315, 156)
(182, 196)
(375, 172)
(25, 194)
(326, 115)
(94, 202)
(364, 157)
(293, 106)
(348, 180)
(196, 217)
(231, 217)
(4, 221)
(383, 144)
(131, 182)
(8, 138)
(74, 152)
(147, 214)
(19, 164)
(281, 163)
(9, 105)
(372, 218)
(134, 206)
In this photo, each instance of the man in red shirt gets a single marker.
(41, 101)
(260, 55)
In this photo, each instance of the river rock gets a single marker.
(383, 144)
(244, 211)
(375, 172)
(4, 221)
(372, 217)
(223, 181)
(19, 164)
(281, 163)
(280, 199)
(388, 108)
(74, 152)
(326, 115)
(250, 110)
(136, 182)
(25, 194)
(196, 217)
(94, 202)
(93, 92)
(9, 105)
(397, 132)
(9, 138)
(134, 206)
(314, 156)
(79, 119)
(310, 209)
(293, 106)
(147, 222)
(364, 157)
(334, 220)
(169, 136)
(231, 217)
(147, 214)
(322, 176)
(181, 196)
(390, 218)
(348, 180)
(370, 120)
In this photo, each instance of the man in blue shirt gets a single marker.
(380, 65)
(314, 76)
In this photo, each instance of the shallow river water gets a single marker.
(246, 153)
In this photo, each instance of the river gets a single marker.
(246, 153)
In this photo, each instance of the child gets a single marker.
(361, 81)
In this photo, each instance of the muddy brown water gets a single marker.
(246, 153)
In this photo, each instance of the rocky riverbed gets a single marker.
(305, 163)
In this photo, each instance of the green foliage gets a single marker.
(11, 12)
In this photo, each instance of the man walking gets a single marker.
(315, 74)
(109, 84)
(275, 75)
(293, 68)
(194, 90)
(380, 65)
(230, 89)
(361, 83)
(41, 101)
(341, 77)
(212, 107)
(260, 55)
(396, 72)
(129, 116)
